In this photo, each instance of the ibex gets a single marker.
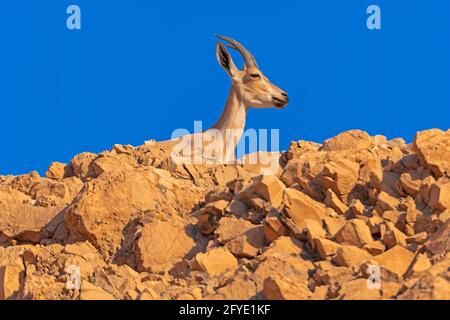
(249, 89)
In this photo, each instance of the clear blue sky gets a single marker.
(139, 69)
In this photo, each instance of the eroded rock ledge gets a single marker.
(139, 227)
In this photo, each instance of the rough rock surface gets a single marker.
(130, 224)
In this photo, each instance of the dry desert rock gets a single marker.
(129, 224)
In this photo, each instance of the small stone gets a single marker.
(418, 238)
(412, 214)
(280, 287)
(439, 242)
(332, 201)
(340, 176)
(393, 237)
(185, 296)
(444, 216)
(90, 292)
(320, 293)
(197, 293)
(270, 188)
(411, 162)
(162, 243)
(392, 216)
(397, 143)
(300, 206)
(314, 230)
(248, 244)
(215, 261)
(440, 196)
(326, 248)
(217, 208)
(149, 294)
(358, 289)
(237, 208)
(385, 202)
(333, 224)
(380, 139)
(354, 232)
(231, 227)
(206, 223)
(349, 140)
(58, 171)
(284, 246)
(420, 263)
(396, 259)
(375, 248)
(433, 149)
(351, 256)
(81, 164)
(410, 183)
(274, 228)
(10, 279)
(374, 224)
(357, 207)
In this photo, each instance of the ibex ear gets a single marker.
(225, 60)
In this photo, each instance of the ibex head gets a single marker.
(254, 88)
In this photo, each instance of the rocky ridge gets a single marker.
(130, 224)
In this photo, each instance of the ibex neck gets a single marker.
(233, 116)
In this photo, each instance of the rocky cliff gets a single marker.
(357, 217)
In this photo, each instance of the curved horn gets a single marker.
(248, 57)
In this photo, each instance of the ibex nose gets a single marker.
(285, 95)
(281, 100)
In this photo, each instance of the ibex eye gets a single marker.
(255, 76)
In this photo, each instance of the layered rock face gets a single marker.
(357, 217)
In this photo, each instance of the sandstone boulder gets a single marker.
(392, 236)
(240, 288)
(91, 292)
(440, 196)
(295, 268)
(270, 188)
(42, 287)
(11, 277)
(439, 242)
(340, 176)
(280, 287)
(231, 227)
(332, 201)
(428, 287)
(351, 256)
(129, 223)
(248, 244)
(355, 233)
(349, 140)
(21, 220)
(411, 183)
(81, 165)
(397, 260)
(115, 201)
(58, 171)
(163, 243)
(215, 261)
(326, 248)
(274, 227)
(359, 289)
(285, 246)
(433, 148)
(299, 206)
